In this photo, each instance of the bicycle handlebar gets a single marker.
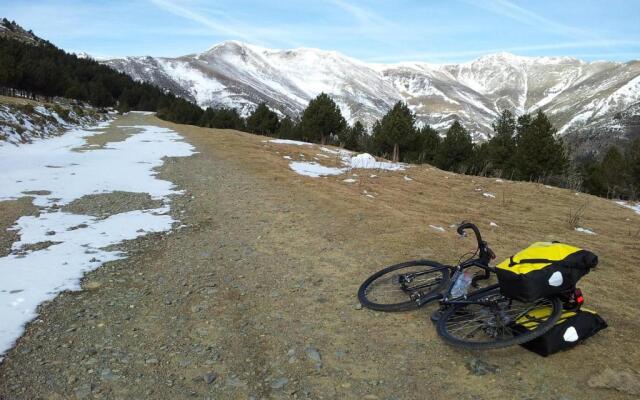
(468, 225)
(485, 252)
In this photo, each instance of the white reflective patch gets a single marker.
(556, 279)
(570, 335)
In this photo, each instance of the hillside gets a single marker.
(23, 120)
(253, 292)
(583, 99)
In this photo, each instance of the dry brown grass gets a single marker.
(399, 216)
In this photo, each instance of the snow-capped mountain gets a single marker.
(594, 97)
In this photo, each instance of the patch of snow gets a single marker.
(499, 180)
(349, 180)
(406, 178)
(287, 157)
(437, 228)
(493, 224)
(366, 160)
(54, 165)
(287, 141)
(314, 169)
(489, 195)
(585, 230)
(327, 150)
(634, 207)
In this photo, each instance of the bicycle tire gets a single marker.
(445, 324)
(441, 272)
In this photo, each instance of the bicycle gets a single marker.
(482, 319)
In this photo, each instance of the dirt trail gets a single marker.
(255, 297)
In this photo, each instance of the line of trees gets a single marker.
(522, 148)
(41, 69)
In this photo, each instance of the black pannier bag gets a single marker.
(543, 269)
(572, 328)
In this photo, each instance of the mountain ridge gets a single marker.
(577, 95)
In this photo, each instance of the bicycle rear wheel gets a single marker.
(498, 322)
(404, 286)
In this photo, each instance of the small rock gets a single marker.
(314, 355)
(108, 375)
(83, 392)
(279, 383)
(622, 381)
(480, 367)
(358, 306)
(209, 377)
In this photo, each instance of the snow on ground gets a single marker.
(585, 230)
(314, 169)
(437, 228)
(22, 124)
(366, 160)
(634, 207)
(52, 166)
(493, 224)
(287, 141)
(348, 159)
(489, 195)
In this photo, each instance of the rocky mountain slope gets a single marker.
(11, 30)
(588, 98)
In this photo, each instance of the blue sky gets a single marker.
(377, 30)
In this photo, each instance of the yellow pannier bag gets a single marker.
(543, 269)
(572, 328)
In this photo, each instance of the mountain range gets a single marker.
(598, 100)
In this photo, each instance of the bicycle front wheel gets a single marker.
(498, 321)
(404, 286)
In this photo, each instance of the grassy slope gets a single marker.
(394, 226)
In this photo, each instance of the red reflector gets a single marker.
(580, 299)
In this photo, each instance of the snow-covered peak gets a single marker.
(242, 75)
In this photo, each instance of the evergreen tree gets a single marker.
(456, 150)
(322, 120)
(500, 150)
(263, 121)
(353, 137)
(480, 162)
(288, 129)
(538, 153)
(428, 141)
(612, 174)
(395, 133)
(633, 162)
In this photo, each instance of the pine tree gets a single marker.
(288, 129)
(395, 133)
(428, 141)
(633, 162)
(353, 137)
(456, 150)
(612, 171)
(538, 153)
(322, 120)
(500, 150)
(263, 121)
